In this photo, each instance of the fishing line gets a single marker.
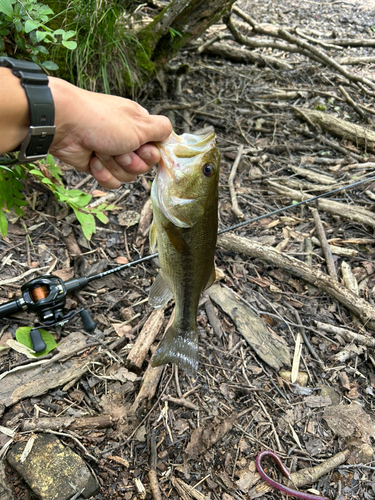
(241, 224)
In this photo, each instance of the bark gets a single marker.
(178, 24)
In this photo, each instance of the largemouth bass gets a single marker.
(185, 207)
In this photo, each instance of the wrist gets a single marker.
(65, 99)
(15, 116)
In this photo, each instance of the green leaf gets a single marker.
(102, 217)
(50, 65)
(68, 34)
(23, 336)
(6, 7)
(87, 222)
(82, 200)
(59, 32)
(47, 181)
(34, 171)
(3, 224)
(30, 25)
(40, 35)
(69, 44)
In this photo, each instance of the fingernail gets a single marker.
(145, 155)
(124, 160)
(97, 164)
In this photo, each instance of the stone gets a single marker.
(53, 470)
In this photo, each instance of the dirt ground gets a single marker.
(205, 433)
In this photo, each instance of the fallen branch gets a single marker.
(351, 212)
(346, 334)
(236, 210)
(340, 128)
(56, 423)
(313, 52)
(324, 244)
(359, 306)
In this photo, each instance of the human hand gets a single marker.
(108, 136)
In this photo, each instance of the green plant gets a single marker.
(23, 336)
(24, 30)
(103, 60)
(174, 33)
(12, 198)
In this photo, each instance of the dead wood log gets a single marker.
(56, 423)
(351, 212)
(340, 128)
(236, 54)
(359, 306)
(346, 334)
(35, 380)
(269, 346)
(327, 180)
(145, 339)
(150, 383)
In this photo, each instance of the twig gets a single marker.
(350, 101)
(212, 318)
(232, 175)
(152, 475)
(312, 474)
(346, 334)
(324, 244)
(217, 38)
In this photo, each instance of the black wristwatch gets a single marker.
(36, 144)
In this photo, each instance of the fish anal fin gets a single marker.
(177, 239)
(180, 347)
(159, 294)
(211, 279)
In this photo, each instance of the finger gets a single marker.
(120, 172)
(105, 178)
(140, 161)
(158, 128)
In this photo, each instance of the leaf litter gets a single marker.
(243, 400)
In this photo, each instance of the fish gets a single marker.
(184, 199)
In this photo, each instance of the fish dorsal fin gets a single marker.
(177, 239)
(153, 236)
(212, 278)
(159, 294)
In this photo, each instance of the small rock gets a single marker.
(51, 469)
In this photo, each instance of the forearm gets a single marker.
(14, 111)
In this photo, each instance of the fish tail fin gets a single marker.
(178, 346)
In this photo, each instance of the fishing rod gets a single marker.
(46, 295)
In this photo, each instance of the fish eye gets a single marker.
(208, 169)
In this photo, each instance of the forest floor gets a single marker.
(295, 374)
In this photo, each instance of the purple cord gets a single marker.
(285, 472)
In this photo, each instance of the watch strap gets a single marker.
(36, 144)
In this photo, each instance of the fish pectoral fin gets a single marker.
(178, 346)
(177, 239)
(159, 294)
(153, 236)
(211, 279)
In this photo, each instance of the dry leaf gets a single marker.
(128, 218)
(121, 260)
